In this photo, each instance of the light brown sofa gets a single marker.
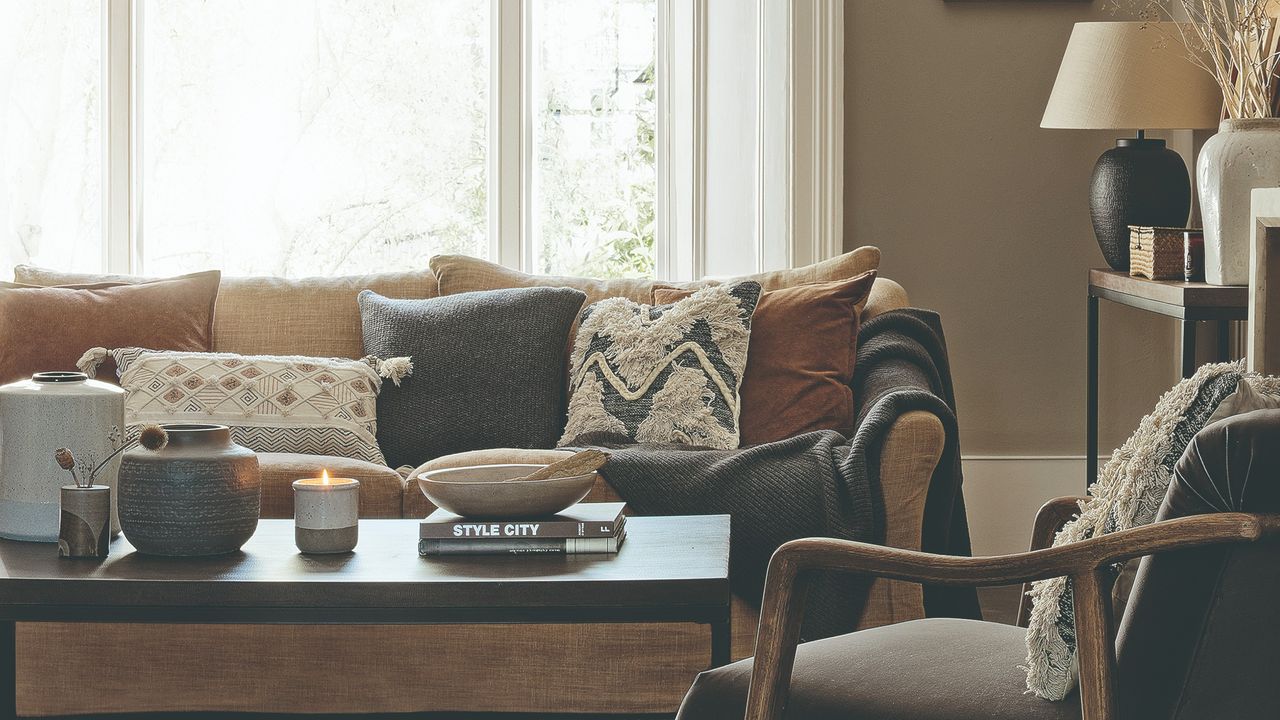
(588, 668)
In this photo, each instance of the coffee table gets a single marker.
(671, 569)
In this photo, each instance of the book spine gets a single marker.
(511, 531)
(516, 546)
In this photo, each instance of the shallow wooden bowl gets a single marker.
(480, 492)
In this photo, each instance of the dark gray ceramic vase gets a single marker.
(199, 495)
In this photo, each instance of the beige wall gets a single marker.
(984, 217)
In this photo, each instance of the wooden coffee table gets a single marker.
(671, 569)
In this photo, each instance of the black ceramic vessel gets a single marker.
(1138, 182)
(198, 495)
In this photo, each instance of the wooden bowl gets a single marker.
(479, 491)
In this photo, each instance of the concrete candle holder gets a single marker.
(326, 514)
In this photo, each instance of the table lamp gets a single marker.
(1133, 75)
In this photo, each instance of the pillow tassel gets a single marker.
(394, 369)
(89, 362)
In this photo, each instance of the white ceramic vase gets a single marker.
(38, 416)
(1245, 154)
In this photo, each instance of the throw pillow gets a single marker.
(276, 316)
(800, 361)
(273, 404)
(49, 328)
(490, 370)
(1128, 494)
(662, 374)
(459, 273)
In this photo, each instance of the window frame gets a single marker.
(797, 164)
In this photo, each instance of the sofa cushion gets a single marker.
(273, 316)
(50, 328)
(488, 370)
(317, 406)
(381, 488)
(662, 373)
(937, 669)
(800, 361)
(459, 274)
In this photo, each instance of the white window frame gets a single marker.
(798, 161)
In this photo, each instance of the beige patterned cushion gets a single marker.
(271, 316)
(459, 274)
(314, 406)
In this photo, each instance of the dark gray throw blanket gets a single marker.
(819, 483)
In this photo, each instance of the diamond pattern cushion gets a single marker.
(316, 406)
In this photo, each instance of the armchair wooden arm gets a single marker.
(793, 566)
(1050, 519)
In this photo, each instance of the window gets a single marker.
(51, 134)
(311, 138)
(323, 137)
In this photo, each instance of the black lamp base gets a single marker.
(1137, 182)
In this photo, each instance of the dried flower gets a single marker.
(153, 437)
(66, 460)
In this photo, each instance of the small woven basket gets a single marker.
(1156, 252)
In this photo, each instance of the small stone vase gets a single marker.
(198, 495)
(85, 531)
(1245, 154)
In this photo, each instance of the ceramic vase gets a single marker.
(86, 520)
(37, 416)
(198, 495)
(1245, 154)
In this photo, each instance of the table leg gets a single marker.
(8, 671)
(721, 641)
(1188, 348)
(1224, 341)
(1091, 411)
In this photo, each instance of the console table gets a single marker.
(1189, 302)
(671, 569)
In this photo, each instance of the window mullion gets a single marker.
(508, 167)
(118, 170)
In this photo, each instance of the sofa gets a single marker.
(568, 668)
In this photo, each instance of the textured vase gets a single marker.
(198, 495)
(1245, 154)
(1137, 182)
(37, 416)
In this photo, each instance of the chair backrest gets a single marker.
(1200, 637)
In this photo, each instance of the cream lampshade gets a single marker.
(1133, 75)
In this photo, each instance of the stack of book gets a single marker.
(581, 529)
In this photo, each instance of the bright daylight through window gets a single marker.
(322, 137)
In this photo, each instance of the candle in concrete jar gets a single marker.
(325, 514)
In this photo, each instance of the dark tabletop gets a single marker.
(672, 568)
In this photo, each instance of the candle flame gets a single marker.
(324, 477)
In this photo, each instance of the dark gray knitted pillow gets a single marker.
(488, 370)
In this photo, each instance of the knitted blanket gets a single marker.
(819, 483)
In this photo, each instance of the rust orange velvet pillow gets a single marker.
(799, 359)
(49, 328)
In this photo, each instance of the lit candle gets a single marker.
(326, 514)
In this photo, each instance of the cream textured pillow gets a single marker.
(313, 406)
(662, 374)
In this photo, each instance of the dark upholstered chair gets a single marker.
(1200, 635)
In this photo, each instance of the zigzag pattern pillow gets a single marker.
(313, 406)
(662, 374)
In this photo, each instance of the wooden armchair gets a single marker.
(1198, 638)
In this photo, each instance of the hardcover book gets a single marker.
(584, 520)
(522, 545)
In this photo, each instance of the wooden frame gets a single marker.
(794, 565)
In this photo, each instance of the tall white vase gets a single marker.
(38, 416)
(1245, 154)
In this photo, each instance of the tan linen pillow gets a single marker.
(315, 317)
(842, 267)
(50, 328)
(800, 358)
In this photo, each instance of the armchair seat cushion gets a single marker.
(936, 669)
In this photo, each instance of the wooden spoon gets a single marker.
(579, 463)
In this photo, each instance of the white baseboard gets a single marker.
(1002, 494)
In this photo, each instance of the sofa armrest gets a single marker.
(885, 295)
